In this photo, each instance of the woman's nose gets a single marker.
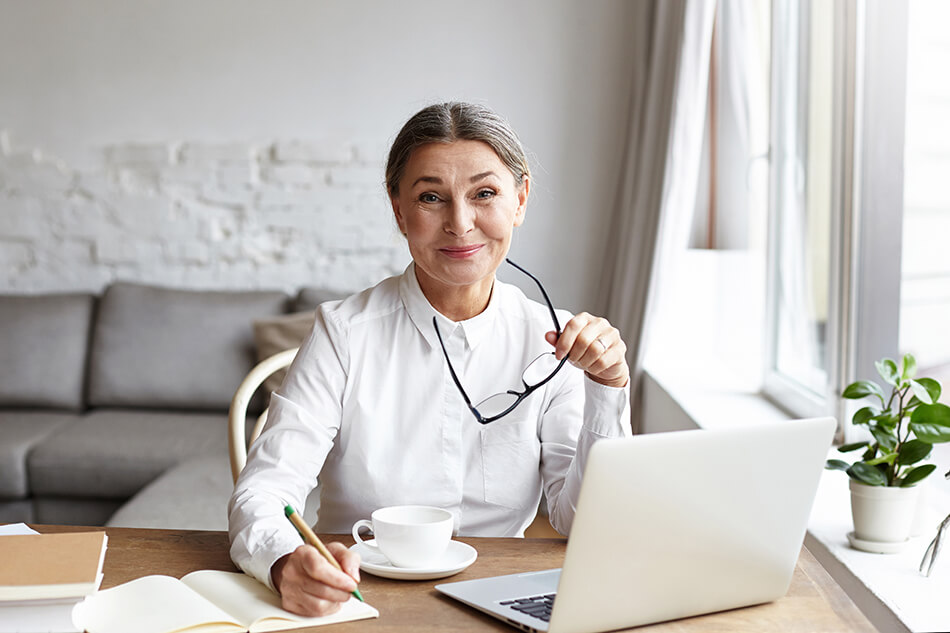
(460, 218)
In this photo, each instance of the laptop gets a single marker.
(672, 525)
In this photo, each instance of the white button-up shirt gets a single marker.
(370, 409)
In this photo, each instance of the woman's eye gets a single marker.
(429, 198)
(485, 193)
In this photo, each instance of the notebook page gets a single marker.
(48, 615)
(152, 604)
(16, 529)
(251, 602)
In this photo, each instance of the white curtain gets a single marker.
(661, 166)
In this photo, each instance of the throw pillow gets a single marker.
(276, 334)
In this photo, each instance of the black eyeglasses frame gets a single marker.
(529, 389)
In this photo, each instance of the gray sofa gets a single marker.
(113, 408)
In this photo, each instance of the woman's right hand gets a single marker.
(309, 585)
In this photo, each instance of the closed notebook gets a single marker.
(206, 601)
(29, 616)
(50, 566)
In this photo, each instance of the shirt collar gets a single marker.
(474, 330)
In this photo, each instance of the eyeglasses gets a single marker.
(536, 374)
(930, 555)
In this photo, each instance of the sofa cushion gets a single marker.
(310, 297)
(20, 431)
(113, 453)
(167, 348)
(191, 496)
(274, 335)
(73, 510)
(43, 349)
(19, 511)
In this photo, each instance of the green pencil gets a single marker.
(312, 539)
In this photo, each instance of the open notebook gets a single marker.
(209, 601)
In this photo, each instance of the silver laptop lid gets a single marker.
(683, 523)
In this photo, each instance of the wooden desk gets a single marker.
(814, 603)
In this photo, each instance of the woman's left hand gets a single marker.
(594, 345)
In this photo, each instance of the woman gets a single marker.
(377, 400)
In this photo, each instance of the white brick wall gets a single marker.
(196, 214)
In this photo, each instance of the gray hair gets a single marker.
(455, 121)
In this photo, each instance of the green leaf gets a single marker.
(920, 392)
(917, 474)
(888, 424)
(837, 464)
(866, 474)
(931, 423)
(886, 421)
(862, 389)
(861, 416)
(913, 451)
(886, 438)
(887, 458)
(908, 367)
(932, 387)
(888, 370)
(847, 448)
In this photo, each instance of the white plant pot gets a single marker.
(882, 514)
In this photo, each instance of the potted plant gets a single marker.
(903, 425)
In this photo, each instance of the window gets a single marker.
(836, 211)
(809, 259)
(925, 261)
(800, 254)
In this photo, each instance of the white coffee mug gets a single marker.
(409, 536)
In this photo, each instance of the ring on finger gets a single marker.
(603, 346)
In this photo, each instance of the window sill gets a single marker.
(886, 587)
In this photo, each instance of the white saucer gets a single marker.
(457, 557)
(876, 547)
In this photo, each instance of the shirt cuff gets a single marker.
(606, 409)
(261, 562)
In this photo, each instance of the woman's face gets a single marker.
(458, 205)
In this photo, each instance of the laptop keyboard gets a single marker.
(537, 606)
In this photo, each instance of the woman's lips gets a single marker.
(461, 252)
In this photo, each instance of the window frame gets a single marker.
(869, 69)
(787, 51)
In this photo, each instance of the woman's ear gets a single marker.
(522, 200)
(400, 220)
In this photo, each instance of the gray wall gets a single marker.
(235, 143)
(659, 411)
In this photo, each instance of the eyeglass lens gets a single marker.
(540, 369)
